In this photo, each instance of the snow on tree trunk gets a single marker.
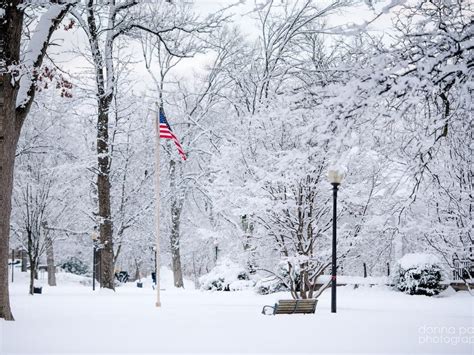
(103, 191)
(175, 248)
(176, 208)
(50, 261)
(105, 93)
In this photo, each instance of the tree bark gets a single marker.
(8, 141)
(104, 99)
(24, 260)
(50, 261)
(33, 258)
(103, 190)
(138, 276)
(32, 279)
(176, 207)
(10, 36)
(175, 247)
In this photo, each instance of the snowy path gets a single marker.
(71, 319)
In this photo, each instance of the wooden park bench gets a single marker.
(292, 307)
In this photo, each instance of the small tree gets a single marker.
(36, 204)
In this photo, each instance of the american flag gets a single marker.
(167, 133)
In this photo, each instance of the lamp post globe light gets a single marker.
(335, 178)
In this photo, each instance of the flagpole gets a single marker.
(157, 206)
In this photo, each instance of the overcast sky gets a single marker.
(74, 63)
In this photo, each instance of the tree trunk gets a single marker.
(104, 99)
(96, 263)
(32, 279)
(103, 190)
(138, 276)
(24, 260)
(32, 256)
(50, 261)
(176, 208)
(249, 248)
(175, 248)
(8, 141)
(196, 273)
(10, 35)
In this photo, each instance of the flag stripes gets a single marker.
(167, 133)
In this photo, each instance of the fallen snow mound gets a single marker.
(416, 260)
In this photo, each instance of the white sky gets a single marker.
(75, 63)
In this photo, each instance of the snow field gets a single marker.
(71, 318)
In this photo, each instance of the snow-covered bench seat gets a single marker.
(291, 307)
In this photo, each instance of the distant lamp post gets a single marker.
(216, 250)
(335, 178)
(94, 256)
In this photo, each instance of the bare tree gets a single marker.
(35, 203)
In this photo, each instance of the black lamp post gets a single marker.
(335, 178)
(216, 250)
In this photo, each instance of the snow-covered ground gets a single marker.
(71, 318)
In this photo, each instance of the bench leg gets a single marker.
(264, 310)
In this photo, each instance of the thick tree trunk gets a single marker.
(103, 190)
(50, 261)
(10, 35)
(8, 140)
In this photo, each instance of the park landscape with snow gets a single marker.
(72, 319)
(247, 153)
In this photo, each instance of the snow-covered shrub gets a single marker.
(419, 274)
(226, 276)
(279, 282)
(74, 265)
(269, 285)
